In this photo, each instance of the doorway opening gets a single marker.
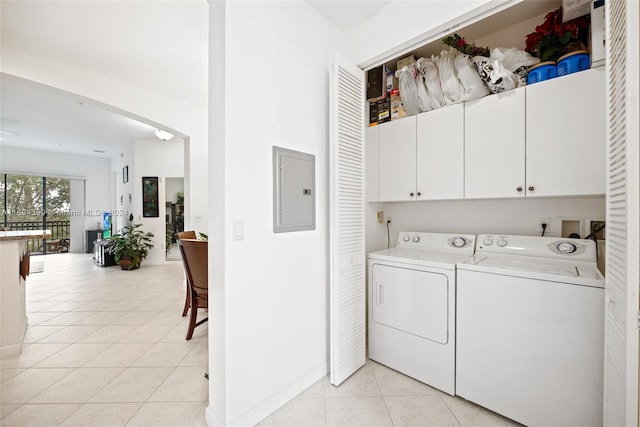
(174, 213)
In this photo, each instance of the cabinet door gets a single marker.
(440, 154)
(494, 146)
(371, 163)
(397, 160)
(566, 147)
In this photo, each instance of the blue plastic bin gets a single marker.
(573, 62)
(542, 71)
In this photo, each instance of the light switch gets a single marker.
(238, 230)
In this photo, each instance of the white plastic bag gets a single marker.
(423, 94)
(409, 89)
(495, 75)
(431, 77)
(474, 86)
(515, 60)
(451, 87)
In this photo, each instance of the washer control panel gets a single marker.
(436, 241)
(546, 247)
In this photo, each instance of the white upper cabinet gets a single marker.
(494, 146)
(397, 160)
(440, 154)
(566, 144)
(371, 163)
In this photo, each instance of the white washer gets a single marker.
(530, 330)
(412, 290)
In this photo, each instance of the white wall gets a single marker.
(274, 286)
(401, 22)
(173, 186)
(96, 171)
(519, 217)
(153, 157)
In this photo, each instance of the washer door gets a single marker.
(412, 301)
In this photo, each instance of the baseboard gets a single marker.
(271, 404)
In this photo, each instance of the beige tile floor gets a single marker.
(379, 396)
(106, 347)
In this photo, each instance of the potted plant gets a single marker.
(554, 38)
(130, 246)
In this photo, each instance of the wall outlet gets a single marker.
(388, 219)
(544, 220)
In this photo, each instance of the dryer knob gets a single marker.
(502, 243)
(406, 238)
(488, 241)
(416, 239)
(459, 242)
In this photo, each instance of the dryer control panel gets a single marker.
(436, 241)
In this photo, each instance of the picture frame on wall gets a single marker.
(125, 174)
(150, 208)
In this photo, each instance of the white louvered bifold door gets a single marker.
(623, 216)
(347, 252)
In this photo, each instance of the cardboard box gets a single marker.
(377, 82)
(384, 110)
(373, 112)
(392, 82)
(397, 107)
(406, 61)
(379, 111)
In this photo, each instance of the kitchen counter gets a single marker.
(13, 314)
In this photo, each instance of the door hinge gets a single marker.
(638, 319)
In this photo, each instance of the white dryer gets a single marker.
(411, 297)
(530, 330)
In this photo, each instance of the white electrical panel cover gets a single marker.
(294, 200)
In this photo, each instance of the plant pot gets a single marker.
(127, 264)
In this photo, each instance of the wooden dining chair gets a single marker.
(190, 234)
(196, 256)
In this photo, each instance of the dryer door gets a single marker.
(411, 301)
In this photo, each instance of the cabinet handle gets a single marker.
(519, 189)
(411, 194)
(419, 193)
(531, 188)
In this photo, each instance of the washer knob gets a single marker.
(406, 238)
(459, 242)
(567, 248)
(502, 242)
(488, 241)
(416, 238)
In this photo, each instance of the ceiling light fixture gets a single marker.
(163, 135)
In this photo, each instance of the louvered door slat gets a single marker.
(347, 275)
(621, 330)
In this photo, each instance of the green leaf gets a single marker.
(547, 54)
(565, 38)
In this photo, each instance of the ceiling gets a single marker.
(41, 118)
(346, 14)
(165, 42)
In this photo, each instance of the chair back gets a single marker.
(196, 261)
(189, 234)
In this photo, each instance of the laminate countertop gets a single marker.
(24, 235)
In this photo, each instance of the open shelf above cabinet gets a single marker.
(506, 28)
